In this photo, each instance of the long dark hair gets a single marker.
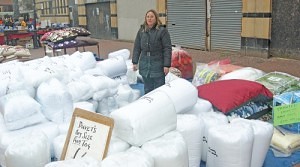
(158, 22)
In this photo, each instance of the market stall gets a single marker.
(71, 37)
(11, 37)
(208, 129)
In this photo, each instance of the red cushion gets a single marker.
(227, 95)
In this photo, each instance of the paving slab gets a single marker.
(290, 66)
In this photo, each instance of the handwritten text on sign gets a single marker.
(286, 114)
(86, 135)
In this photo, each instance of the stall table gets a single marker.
(11, 36)
(81, 42)
(2, 40)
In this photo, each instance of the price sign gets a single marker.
(286, 114)
(89, 135)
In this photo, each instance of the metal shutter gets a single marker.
(186, 22)
(226, 24)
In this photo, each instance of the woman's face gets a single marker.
(150, 18)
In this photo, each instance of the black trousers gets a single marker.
(152, 83)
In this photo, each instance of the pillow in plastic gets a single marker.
(285, 99)
(251, 110)
(278, 82)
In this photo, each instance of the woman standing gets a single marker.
(152, 52)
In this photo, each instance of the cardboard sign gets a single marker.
(89, 135)
(286, 114)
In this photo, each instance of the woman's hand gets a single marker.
(166, 70)
(134, 67)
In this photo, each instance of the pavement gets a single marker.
(290, 66)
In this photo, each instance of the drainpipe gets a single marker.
(35, 42)
(208, 21)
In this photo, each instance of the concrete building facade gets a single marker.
(260, 28)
